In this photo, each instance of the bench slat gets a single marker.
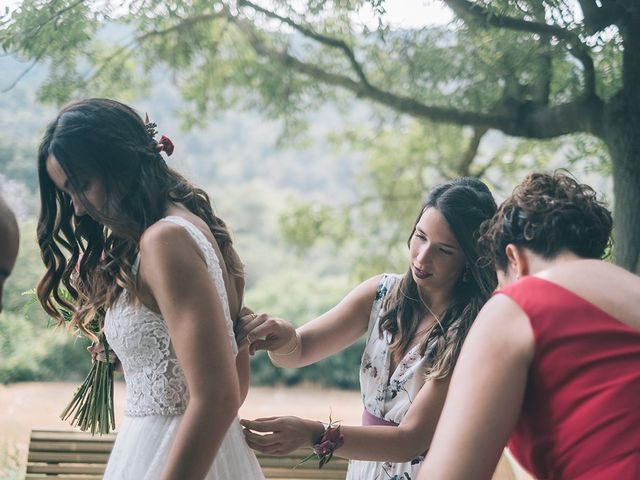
(66, 468)
(71, 435)
(81, 447)
(288, 473)
(67, 457)
(63, 477)
(293, 461)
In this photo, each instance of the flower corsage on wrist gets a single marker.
(326, 444)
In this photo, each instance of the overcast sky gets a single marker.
(400, 13)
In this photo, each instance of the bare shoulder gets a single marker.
(504, 327)
(370, 285)
(607, 270)
(167, 246)
(608, 286)
(365, 293)
(357, 303)
(586, 272)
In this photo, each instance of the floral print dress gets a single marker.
(387, 395)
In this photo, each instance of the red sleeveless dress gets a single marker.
(580, 417)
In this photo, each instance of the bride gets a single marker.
(157, 260)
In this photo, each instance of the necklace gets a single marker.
(436, 317)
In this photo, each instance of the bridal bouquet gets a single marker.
(91, 408)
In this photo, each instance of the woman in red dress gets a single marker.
(552, 363)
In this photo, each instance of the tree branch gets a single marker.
(399, 103)
(468, 9)
(183, 25)
(583, 114)
(24, 72)
(322, 39)
(464, 167)
(527, 119)
(37, 28)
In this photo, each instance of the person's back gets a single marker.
(580, 415)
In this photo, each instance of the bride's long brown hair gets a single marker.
(92, 256)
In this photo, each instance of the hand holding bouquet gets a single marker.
(91, 408)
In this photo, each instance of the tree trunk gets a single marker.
(622, 135)
(621, 132)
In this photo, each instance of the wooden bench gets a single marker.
(73, 455)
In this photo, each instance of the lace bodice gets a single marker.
(155, 382)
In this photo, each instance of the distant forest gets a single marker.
(253, 176)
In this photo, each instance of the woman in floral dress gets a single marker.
(414, 324)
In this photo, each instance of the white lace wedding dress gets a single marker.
(157, 393)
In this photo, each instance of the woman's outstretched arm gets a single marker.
(485, 396)
(173, 270)
(331, 332)
(410, 439)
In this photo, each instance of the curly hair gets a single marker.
(464, 203)
(549, 214)
(93, 255)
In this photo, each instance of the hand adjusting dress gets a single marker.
(157, 392)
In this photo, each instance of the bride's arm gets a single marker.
(173, 270)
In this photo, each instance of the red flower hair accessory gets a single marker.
(165, 144)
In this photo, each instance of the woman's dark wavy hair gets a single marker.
(549, 214)
(465, 203)
(93, 255)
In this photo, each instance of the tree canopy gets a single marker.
(528, 68)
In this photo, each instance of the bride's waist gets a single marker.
(146, 411)
(163, 396)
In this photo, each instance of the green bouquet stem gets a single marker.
(91, 408)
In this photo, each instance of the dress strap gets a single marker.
(203, 243)
(387, 282)
(213, 265)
